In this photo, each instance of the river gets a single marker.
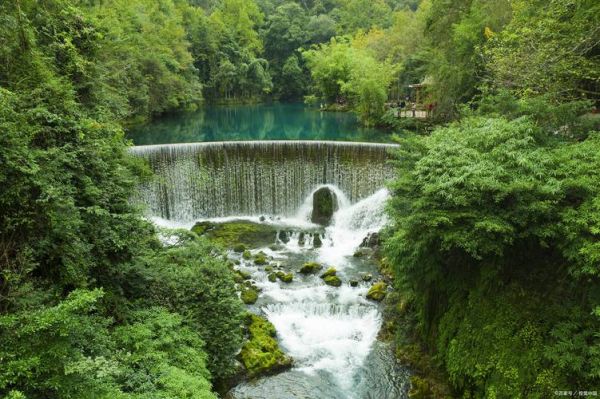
(331, 332)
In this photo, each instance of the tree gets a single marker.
(548, 48)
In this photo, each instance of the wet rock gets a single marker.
(372, 240)
(329, 272)
(247, 255)
(260, 259)
(334, 281)
(377, 292)
(324, 206)
(353, 283)
(310, 268)
(249, 295)
(285, 277)
(240, 275)
(360, 253)
(262, 219)
(301, 239)
(239, 248)
(261, 354)
(235, 232)
(272, 277)
(317, 243)
(367, 277)
(269, 269)
(283, 236)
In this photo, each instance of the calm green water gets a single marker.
(256, 122)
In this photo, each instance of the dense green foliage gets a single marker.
(496, 237)
(86, 304)
(495, 231)
(495, 226)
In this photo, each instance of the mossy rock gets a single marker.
(310, 268)
(239, 248)
(334, 281)
(419, 388)
(249, 295)
(301, 239)
(272, 277)
(353, 283)
(285, 277)
(329, 272)
(239, 276)
(377, 292)
(247, 255)
(261, 354)
(360, 253)
(324, 206)
(367, 277)
(260, 259)
(237, 232)
(268, 269)
(317, 242)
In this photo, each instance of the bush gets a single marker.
(193, 280)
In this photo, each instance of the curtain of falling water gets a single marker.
(256, 177)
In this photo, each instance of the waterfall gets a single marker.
(204, 180)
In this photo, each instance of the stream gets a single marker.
(331, 332)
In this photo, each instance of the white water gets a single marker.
(328, 331)
(204, 180)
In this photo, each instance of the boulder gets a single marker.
(261, 354)
(329, 272)
(310, 268)
(367, 277)
(377, 291)
(272, 277)
(249, 295)
(353, 283)
(334, 281)
(285, 277)
(260, 259)
(317, 242)
(371, 241)
(237, 232)
(324, 206)
(239, 247)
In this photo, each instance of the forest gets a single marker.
(493, 237)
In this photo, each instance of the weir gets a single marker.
(206, 180)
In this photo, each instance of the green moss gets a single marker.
(239, 248)
(334, 281)
(419, 388)
(269, 269)
(285, 277)
(238, 232)
(367, 277)
(260, 259)
(359, 254)
(377, 292)
(247, 255)
(310, 268)
(329, 272)
(261, 353)
(249, 295)
(272, 277)
(317, 242)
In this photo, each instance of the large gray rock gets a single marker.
(325, 204)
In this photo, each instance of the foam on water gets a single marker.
(329, 331)
(332, 337)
